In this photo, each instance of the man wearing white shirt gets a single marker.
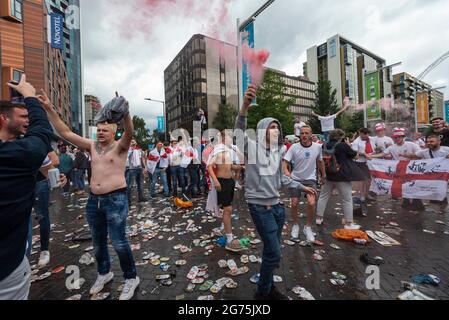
(328, 121)
(135, 164)
(157, 166)
(435, 149)
(176, 172)
(364, 147)
(381, 141)
(298, 125)
(304, 158)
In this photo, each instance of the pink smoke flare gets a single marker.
(256, 61)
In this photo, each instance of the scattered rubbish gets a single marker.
(413, 295)
(74, 246)
(429, 231)
(334, 246)
(57, 270)
(372, 261)
(180, 263)
(349, 235)
(303, 293)
(289, 243)
(86, 259)
(89, 249)
(100, 296)
(223, 264)
(426, 279)
(238, 272)
(382, 239)
(244, 259)
(76, 297)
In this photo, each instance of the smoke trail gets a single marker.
(256, 60)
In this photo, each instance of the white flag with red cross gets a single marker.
(412, 179)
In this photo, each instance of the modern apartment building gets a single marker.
(345, 64)
(202, 76)
(302, 91)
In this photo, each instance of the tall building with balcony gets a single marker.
(302, 91)
(24, 49)
(406, 87)
(202, 76)
(71, 54)
(345, 64)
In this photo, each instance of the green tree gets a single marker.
(326, 103)
(157, 136)
(273, 102)
(351, 124)
(141, 133)
(225, 118)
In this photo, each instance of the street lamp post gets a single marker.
(165, 115)
(416, 103)
(240, 28)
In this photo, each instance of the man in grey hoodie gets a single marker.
(264, 152)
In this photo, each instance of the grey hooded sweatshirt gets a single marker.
(264, 176)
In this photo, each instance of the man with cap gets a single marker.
(401, 150)
(381, 141)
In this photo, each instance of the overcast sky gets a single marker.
(127, 48)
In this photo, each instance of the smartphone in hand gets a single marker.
(16, 97)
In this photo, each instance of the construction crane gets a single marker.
(433, 66)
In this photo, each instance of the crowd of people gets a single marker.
(307, 167)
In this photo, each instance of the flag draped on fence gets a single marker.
(420, 179)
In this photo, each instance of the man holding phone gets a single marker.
(20, 160)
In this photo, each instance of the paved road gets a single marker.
(420, 252)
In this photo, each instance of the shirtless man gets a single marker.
(107, 208)
(221, 166)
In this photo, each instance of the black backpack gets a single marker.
(330, 161)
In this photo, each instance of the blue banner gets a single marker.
(247, 36)
(160, 124)
(446, 111)
(56, 29)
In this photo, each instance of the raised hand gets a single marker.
(24, 88)
(44, 100)
(250, 95)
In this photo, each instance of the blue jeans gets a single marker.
(177, 173)
(163, 175)
(30, 237)
(131, 176)
(107, 214)
(194, 173)
(41, 203)
(78, 179)
(269, 223)
(326, 136)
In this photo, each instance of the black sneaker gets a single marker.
(276, 295)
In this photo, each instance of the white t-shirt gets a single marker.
(298, 127)
(359, 146)
(381, 144)
(406, 148)
(421, 143)
(443, 152)
(304, 160)
(328, 123)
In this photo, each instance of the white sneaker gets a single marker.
(352, 226)
(319, 221)
(101, 282)
(309, 234)
(295, 232)
(44, 259)
(129, 288)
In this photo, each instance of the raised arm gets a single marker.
(315, 115)
(342, 110)
(60, 126)
(125, 141)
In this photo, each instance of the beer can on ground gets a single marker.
(53, 177)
